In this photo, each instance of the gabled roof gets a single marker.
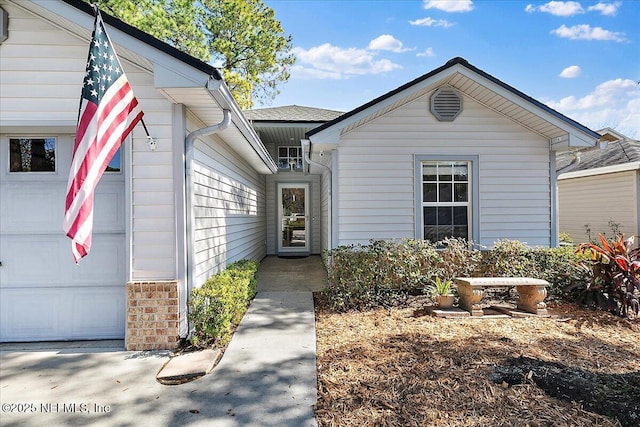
(484, 88)
(292, 113)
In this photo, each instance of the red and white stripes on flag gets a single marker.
(108, 113)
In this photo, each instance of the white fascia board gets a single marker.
(577, 138)
(331, 135)
(624, 167)
(220, 92)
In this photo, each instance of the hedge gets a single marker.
(216, 308)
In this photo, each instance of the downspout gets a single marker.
(575, 162)
(190, 212)
(572, 165)
(306, 154)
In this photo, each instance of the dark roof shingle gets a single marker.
(616, 153)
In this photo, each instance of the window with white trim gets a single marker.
(290, 158)
(446, 199)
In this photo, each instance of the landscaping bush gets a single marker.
(458, 258)
(383, 273)
(561, 268)
(508, 258)
(558, 266)
(217, 307)
(378, 274)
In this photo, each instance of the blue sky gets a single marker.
(579, 57)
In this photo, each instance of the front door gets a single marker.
(293, 207)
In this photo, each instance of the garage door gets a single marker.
(44, 295)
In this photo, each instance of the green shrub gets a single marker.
(383, 273)
(458, 258)
(217, 307)
(508, 258)
(379, 274)
(560, 267)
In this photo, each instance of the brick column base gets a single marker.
(152, 316)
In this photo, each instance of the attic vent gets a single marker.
(446, 104)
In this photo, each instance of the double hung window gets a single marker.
(446, 199)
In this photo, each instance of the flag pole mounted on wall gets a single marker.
(108, 113)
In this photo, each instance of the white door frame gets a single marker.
(280, 215)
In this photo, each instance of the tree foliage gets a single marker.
(242, 37)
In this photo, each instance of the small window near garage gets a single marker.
(446, 199)
(32, 154)
(290, 158)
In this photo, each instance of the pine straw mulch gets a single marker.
(404, 367)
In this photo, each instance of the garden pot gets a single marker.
(445, 301)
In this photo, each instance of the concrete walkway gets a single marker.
(267, 377)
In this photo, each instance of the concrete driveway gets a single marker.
(267, 376)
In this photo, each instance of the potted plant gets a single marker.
(442, 292)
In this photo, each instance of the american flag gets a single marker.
(108, 113)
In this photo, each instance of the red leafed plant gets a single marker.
(614, 279)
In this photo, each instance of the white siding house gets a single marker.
(150, 232)
(455, 152)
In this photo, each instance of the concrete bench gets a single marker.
(531, 292)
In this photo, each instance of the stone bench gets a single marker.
(531, 292)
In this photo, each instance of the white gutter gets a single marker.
(306, 155)
(190, 212)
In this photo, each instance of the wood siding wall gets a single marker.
(596, 200)
(376, 197)
(230, 209)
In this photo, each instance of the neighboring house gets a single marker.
(294, 209)
(153, 240)
(455, 152)
(602, 191)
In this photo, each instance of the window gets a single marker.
(446, 191)
(32, 154)
(290, 158)
(114, 164)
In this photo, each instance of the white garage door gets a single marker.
(43, 294)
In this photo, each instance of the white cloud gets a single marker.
(332, 62)
(305, 73)
(428, 52)
(614, 103)
(430, 22)
(387, 42)
(586, 32)
(557, 8)
(571, 72)
(449, 5)
(607, 9)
